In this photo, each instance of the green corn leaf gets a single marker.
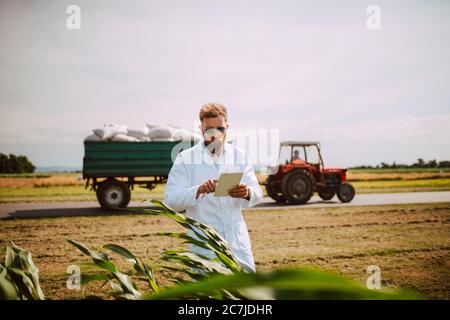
(283, 284)
(86, 278)
(138, 264)
(8, 290)
(23, 272)
(84, 249)
(126, 285)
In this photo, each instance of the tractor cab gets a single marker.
(301, 172)
(291, 151)
(298, 154)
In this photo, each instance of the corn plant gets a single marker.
(195, 266)
(284, 284)
(19, 276)
(224, 261)
(220, 277)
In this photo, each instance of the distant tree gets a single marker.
(15, 164)
(420, 163)
(432, 164)
(444, 164)
(3, 163)
(384, 165)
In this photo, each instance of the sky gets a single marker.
(311, 69)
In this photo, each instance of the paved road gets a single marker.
(366, 200)
(30, 210)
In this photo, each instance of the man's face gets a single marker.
(214, 131)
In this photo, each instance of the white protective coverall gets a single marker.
(192, 168)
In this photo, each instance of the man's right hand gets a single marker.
(207, 187)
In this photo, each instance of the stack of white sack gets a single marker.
(151, 132)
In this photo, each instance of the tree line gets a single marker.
(420, 163)
(15, 164)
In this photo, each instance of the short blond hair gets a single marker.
(212, 110)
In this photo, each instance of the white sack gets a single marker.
(185, 135)
(181, 134)
(124, 137)
(106, 133)
(109, 130)
(120, 127)
(93, 137)
(160, 131)
(138, 132)
(162, 139)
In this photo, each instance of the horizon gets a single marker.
(257, 167)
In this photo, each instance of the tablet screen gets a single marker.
(226, 182)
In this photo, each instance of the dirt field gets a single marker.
(410, 243)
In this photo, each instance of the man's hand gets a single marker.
(207, 187)
(240, 191)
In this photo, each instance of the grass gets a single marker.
(391, 176)
(59, 189)
(25, 175)
(383, 186)
(410, 243)
(396, 170)
(67, 187)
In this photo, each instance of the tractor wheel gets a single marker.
(274, 191)
(297, 187)
(345, 192)
(326, 194)
(113, 194)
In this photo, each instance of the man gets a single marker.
(296, 155)
(193, 178)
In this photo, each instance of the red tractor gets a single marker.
(301, 173)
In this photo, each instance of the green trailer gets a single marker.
(111, 168)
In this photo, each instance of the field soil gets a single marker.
(410, 243)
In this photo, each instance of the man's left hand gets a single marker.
(240, 191)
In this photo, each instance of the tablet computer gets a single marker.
(226, 182)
